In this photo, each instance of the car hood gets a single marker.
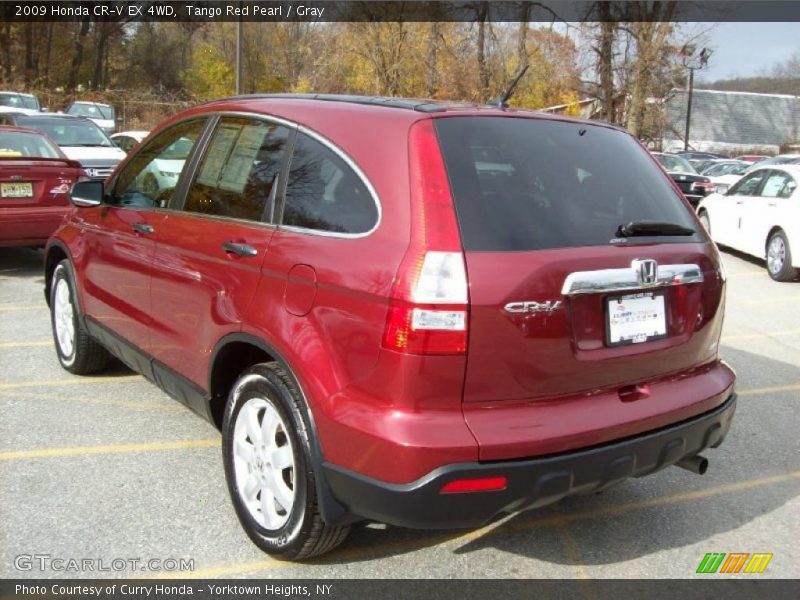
(169, 165)
(94, 155)
(726, 179)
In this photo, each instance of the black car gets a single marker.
(693, 185)
(694, 154)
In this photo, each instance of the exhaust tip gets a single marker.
(696, 464)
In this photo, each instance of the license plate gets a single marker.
(635, 318)
(16, 190)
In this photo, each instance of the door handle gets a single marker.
(239, 249)
(143, 228)
(740, 202)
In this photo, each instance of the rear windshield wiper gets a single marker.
(646, 228)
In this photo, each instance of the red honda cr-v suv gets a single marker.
(421, 313)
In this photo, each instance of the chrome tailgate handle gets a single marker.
(643, 273)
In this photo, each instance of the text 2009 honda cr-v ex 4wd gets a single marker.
(419, 313)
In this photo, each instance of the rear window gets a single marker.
(529, 184)
(18, 143)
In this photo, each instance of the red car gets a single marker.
(35, 180)
(421, 313)
(751, 158)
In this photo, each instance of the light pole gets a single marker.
(239, 56)
(692, 61)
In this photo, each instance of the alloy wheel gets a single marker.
(64, 318)
(776, 254)
(264, 463)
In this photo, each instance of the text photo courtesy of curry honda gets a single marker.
(450, 287)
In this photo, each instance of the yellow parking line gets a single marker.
(22, 307)
(168, 406)
(115, 449)
(26, 344)
(761, 301)
(767, 390)
(573, 552)
(506, 526)
(76, 381)
(755, 336)
(222, 570)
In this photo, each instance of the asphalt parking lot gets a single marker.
(109, 467)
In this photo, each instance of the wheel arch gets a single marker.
(54, 254)
(226, 366)
(773, 230)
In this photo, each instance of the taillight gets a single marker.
(706, 186)
(428, 310)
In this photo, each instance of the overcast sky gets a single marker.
(745, 49)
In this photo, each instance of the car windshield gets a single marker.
(91, 110)
(735, 169)
(10, 99)
(68, 132)
(675, 164)
(30, 101)
(776, 160)
(21, 143)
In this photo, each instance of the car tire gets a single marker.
(266, 449)
(779, 257)
(77, 351)
(705, 221)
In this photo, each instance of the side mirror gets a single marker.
(45, 109)
(722, 189)
(119, 120)
(86, 193)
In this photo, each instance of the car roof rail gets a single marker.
(427, 106)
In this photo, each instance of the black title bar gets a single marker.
(397, 589)
(415, 11)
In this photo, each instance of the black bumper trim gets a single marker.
(531, 482)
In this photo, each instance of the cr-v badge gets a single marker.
(530, 306)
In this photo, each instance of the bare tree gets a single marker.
(77, 54)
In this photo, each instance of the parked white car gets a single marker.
(760, 216)
(27, 103)
(126, 140)
(162, 173)
(724, 173)
(101, 114)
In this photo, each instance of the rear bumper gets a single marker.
(531, 482)
(30, 225)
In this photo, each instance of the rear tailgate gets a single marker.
(570, 343)
(27, 181)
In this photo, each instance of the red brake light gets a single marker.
(428, 309)
(482, 484)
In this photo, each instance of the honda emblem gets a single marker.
(646, 270)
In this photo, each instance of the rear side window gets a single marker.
(779, 185)
(239, 170)
(530, 184)
(324, 193)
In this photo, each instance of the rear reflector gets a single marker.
(483, 484)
